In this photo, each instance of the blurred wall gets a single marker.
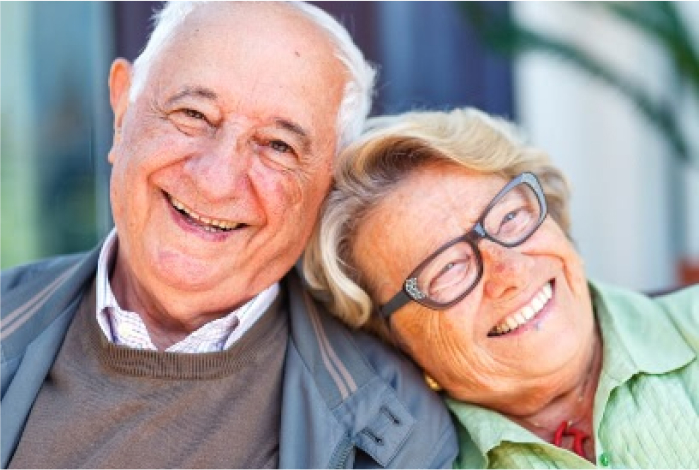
(634, 210)
(55, 127)
(57, 124)
(635, 207)
(428, 56)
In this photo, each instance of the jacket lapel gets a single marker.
(36, 315)
(329, 385)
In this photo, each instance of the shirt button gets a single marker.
(604, 460)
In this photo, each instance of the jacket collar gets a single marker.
(328, 384)
(365, 412)
(38, 297)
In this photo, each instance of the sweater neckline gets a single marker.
(173, 365)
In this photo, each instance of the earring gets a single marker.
(432, 383)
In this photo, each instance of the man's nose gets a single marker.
(221, 170)
(504, 269)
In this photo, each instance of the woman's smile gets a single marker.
(525, 315)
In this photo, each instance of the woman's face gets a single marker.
(463, 347)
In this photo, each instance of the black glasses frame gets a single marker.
(411, 291)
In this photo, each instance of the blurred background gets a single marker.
(610, 90)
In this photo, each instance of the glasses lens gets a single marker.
(450, 273)
(515, 216)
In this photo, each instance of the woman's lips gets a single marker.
(525, 314)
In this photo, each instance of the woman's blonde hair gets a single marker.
(391, 148)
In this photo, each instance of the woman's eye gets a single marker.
(511, 221)
(509, 217)
(447, 267)
(449, 279)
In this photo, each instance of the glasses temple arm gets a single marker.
(398, 300)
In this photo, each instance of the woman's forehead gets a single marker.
(442, 193)
(431, 205)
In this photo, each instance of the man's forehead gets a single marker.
(263, 60)
(238, 17)
(276, 39)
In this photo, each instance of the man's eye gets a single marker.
(193, 114)
(276, 152)
(280, 146)
(190, 121)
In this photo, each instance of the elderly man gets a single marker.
(185, 339)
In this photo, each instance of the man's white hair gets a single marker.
(356, 101)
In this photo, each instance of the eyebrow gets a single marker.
(210, 95)
(193, 91)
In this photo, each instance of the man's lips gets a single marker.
(207, 223)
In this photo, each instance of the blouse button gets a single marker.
(604, 459)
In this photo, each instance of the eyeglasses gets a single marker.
(454, 270)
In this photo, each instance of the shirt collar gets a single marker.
(213, 336)
(634, 328)
(488, 428)
(105, 297)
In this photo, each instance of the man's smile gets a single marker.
(207, 223)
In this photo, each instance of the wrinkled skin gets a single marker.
(231, 123)
(522, 373)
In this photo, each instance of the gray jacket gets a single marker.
(348, 400)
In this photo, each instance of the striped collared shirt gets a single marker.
(127, 329)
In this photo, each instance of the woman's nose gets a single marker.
(504, 269)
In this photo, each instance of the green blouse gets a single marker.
(646, 412)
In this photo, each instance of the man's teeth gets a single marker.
(525, 314)
(210, 225)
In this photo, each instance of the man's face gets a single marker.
(221, 163)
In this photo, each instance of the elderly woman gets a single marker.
(448, 236)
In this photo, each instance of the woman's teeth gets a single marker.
(208, 224)
(525, 314)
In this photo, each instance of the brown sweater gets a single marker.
(106, 406)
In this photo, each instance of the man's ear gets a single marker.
(119, 87)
